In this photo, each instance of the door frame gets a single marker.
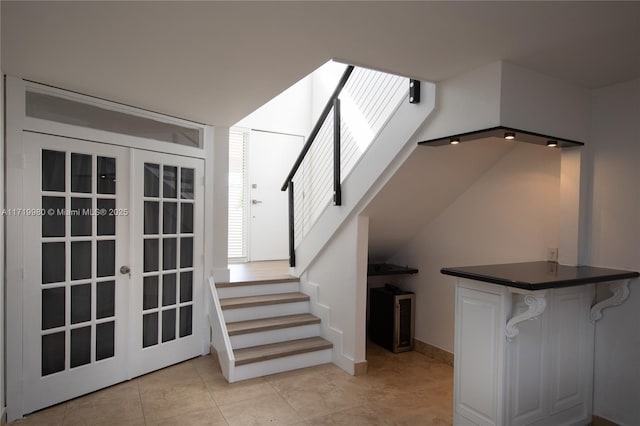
(16, 122)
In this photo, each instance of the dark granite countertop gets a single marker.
(538, 275)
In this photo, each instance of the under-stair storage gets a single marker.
(269, 328)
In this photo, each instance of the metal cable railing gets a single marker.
(356, 111)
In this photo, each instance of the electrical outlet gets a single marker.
(552, 254)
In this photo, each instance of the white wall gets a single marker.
(543, 104)
(339, 275)
(289, 112)
(615, 242)
(217, 176)
(464, 103)
(2, 319)
(324, 81)
(509, 214)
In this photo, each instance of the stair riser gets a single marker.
(265, 311)
(272, 366)
(258, 290)
(274, 336)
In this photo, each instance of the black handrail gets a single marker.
(337, 188)
(334, 103)
(318, 125)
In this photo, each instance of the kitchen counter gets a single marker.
(539, 275)
(524, 341)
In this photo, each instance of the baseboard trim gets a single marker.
(433, 352)
(360, 368)
(601, 421)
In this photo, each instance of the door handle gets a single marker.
(256, 201)
(125, 270)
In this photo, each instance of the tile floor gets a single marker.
(399, 389)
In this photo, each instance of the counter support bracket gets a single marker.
(536, 303)
(620, 290)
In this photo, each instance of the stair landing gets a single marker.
(259, 271)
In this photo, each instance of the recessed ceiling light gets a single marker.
(509, 136)
(552, 144)
(454, 140)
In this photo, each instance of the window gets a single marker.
(237, 194)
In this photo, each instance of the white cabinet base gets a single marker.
(523, 357)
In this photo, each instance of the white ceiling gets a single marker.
(215, 62)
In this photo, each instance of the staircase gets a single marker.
(269, 328)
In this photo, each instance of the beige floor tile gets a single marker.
(410, 407)
(210, 417)
(313, 395)
(214, 382)
(53, 416)
(359, 416)
(399, 389)
(228, 393)
(206, 365)
(177, 375)
(175, 401)
(93, 410)
(271, 410)
(126, 390)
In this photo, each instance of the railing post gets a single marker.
(292, 244)
(337, 188)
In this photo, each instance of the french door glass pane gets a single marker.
(105, 340)
(186, 325)
(106, 218)
(80, 303)
(53, 353)
(53, 262)
(170, 180)
(80, 260)
(169, 253)
(80, 346)
(186, 184)
(168, 289)
(168, 325)
(151, 217)
(80, 217)
(186, 252)
(186, 218)
(53, 170)
(150, 292)
(151, 254)
(53, 307)
(106, 175)
(80, 173)
(53, 223)
(149, 329)
(105, 299)
(186, 286)
(151, 180)
(169, 218)
(106, 258)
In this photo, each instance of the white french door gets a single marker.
(167, 216)
(112, 257)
